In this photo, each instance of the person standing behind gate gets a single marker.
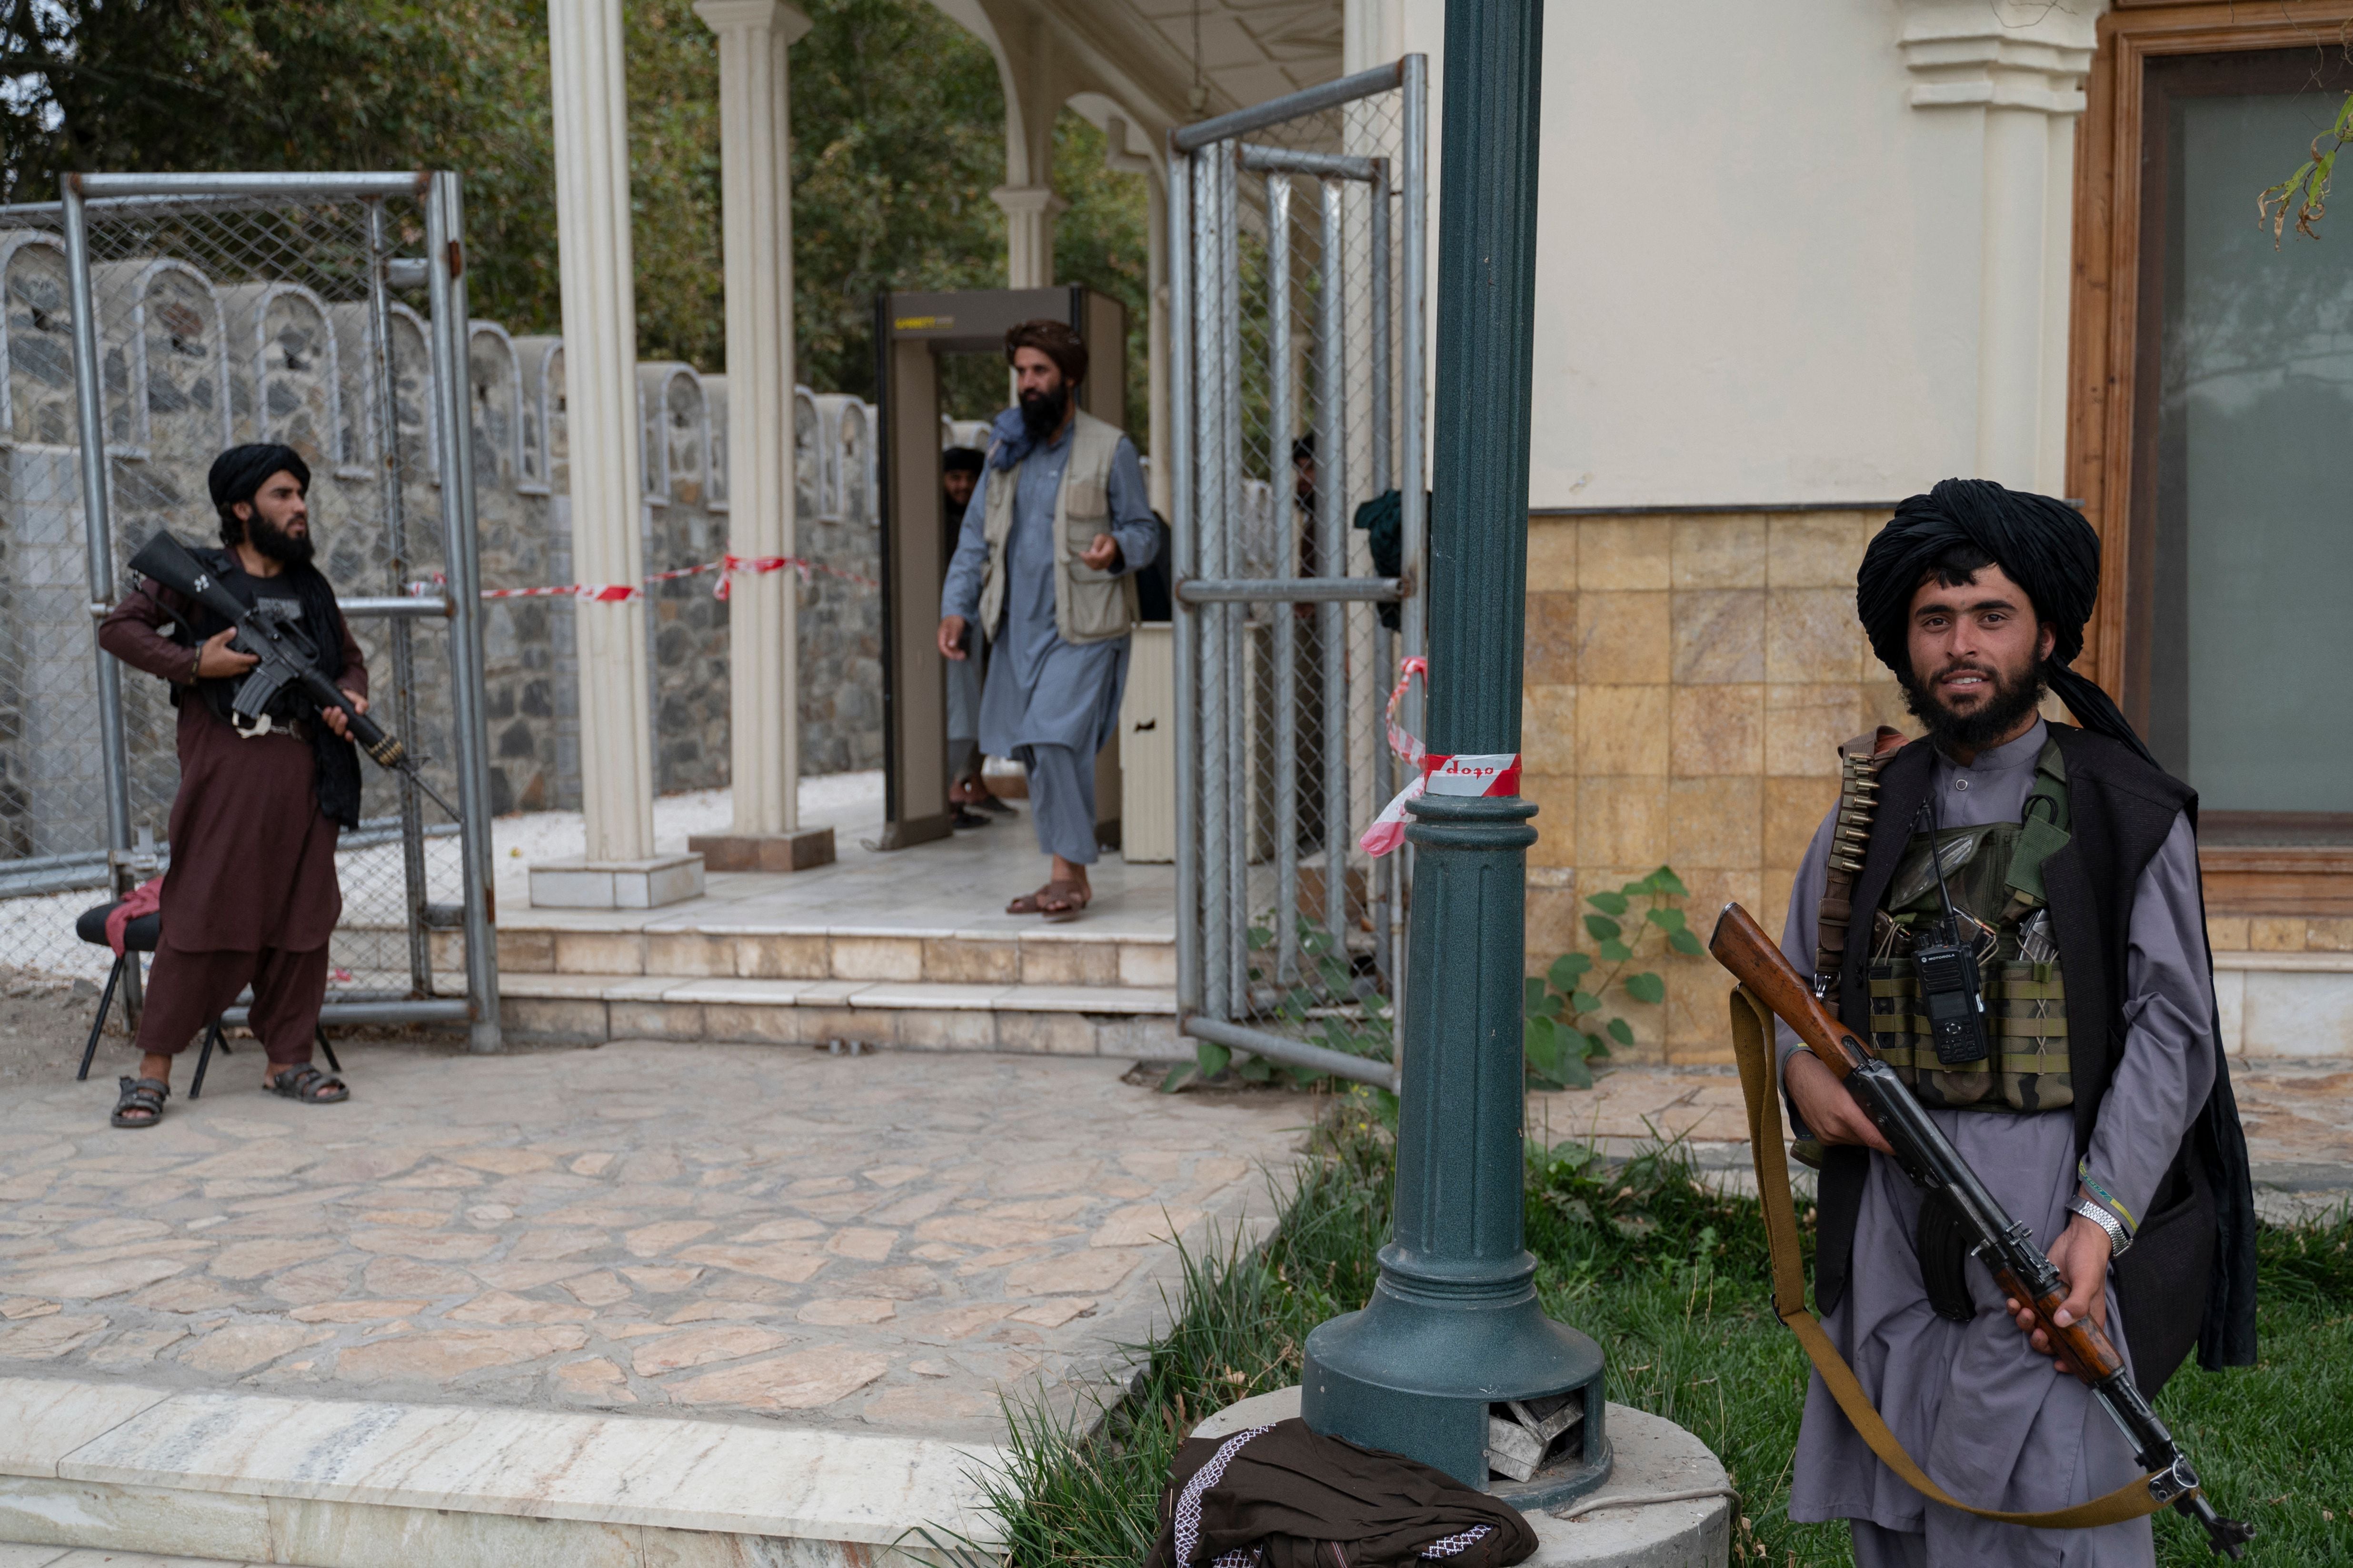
(967, 797)
(251, 897)
(1058, 525)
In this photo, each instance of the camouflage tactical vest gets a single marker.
(1994, 875)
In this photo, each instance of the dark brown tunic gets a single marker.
(253, 857)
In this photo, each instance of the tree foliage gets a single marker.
(897, 122)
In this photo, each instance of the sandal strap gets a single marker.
(301, 1081)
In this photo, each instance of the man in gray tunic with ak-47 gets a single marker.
(2095, 1103)
(1051, 539)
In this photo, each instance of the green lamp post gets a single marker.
(1453, 1336)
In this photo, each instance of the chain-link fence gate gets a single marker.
(151, 321)
(1297, 263)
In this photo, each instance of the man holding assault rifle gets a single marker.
(251, 896)
(2035, 1198)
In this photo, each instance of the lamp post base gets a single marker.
(1421, 1369)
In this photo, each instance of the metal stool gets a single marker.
(141, 935)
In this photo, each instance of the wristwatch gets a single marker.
(2118, 1242)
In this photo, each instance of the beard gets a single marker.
(280, 546)
(2015, 695)
(1043, 412)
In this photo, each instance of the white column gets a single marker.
(2017, 67)
(1029, 70)
(763, 663)
(1029, 213)
(1117, 156)
(600, 352)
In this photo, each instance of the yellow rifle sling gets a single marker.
(1752, 1036)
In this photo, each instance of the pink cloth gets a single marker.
(143, 900)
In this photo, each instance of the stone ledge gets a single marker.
(134, 1449)
(774, 853)
(2256, 959)
(582, 884)
(904, 995)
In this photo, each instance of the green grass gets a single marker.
(1670, 1277)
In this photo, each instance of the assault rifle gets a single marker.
(270, 631)
(2022, 1271)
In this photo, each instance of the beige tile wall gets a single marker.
(1687, 681)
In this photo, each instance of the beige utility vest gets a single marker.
(1090, 605)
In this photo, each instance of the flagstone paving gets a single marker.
(886, 1241)
(2298, 1117)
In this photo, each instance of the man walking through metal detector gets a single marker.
(1059, 524)
(251, 896)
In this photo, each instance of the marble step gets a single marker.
(1057, 1020)
(1051, 956)
(236, 1477)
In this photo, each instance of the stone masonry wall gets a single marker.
(1688, 680)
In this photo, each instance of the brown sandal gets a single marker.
(1032, 903)
(1062, 902)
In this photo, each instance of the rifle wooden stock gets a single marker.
(1740, 944)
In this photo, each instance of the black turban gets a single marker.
(2045, 546)
(962, 460)
(238, 472)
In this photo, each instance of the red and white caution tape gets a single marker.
(728, 567)
(1460, 773)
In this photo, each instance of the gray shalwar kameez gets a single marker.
(1049, 704)
(1972, 1402)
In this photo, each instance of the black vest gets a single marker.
(337, 762)
(2188, 1279)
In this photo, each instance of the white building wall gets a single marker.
(1762, 265)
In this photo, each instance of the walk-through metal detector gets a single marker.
(910, 332)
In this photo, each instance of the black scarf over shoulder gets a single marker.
(338, 761)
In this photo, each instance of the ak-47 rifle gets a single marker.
(270, 631)
(2006, 1247)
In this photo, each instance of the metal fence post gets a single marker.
(396, 568)
(1454, 1325)
(1229, 316)
(1208, 506)
(89, 415)
(445, 276)
(1282, 424)
(1413, 403)
(1384, 871)
(1185, 532)
(1331, 558)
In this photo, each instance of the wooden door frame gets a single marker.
(2103, 299)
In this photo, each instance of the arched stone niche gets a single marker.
(535, 357)
(412, 395)
(494, 399)
(853, 448)
(554, 407)
(809, 456)
(36, 341)
(168, 361)
(714, 403)
(671, 432)
(361, 454)
(284, 350)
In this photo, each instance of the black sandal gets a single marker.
(309, 1085)
(147, 1094)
